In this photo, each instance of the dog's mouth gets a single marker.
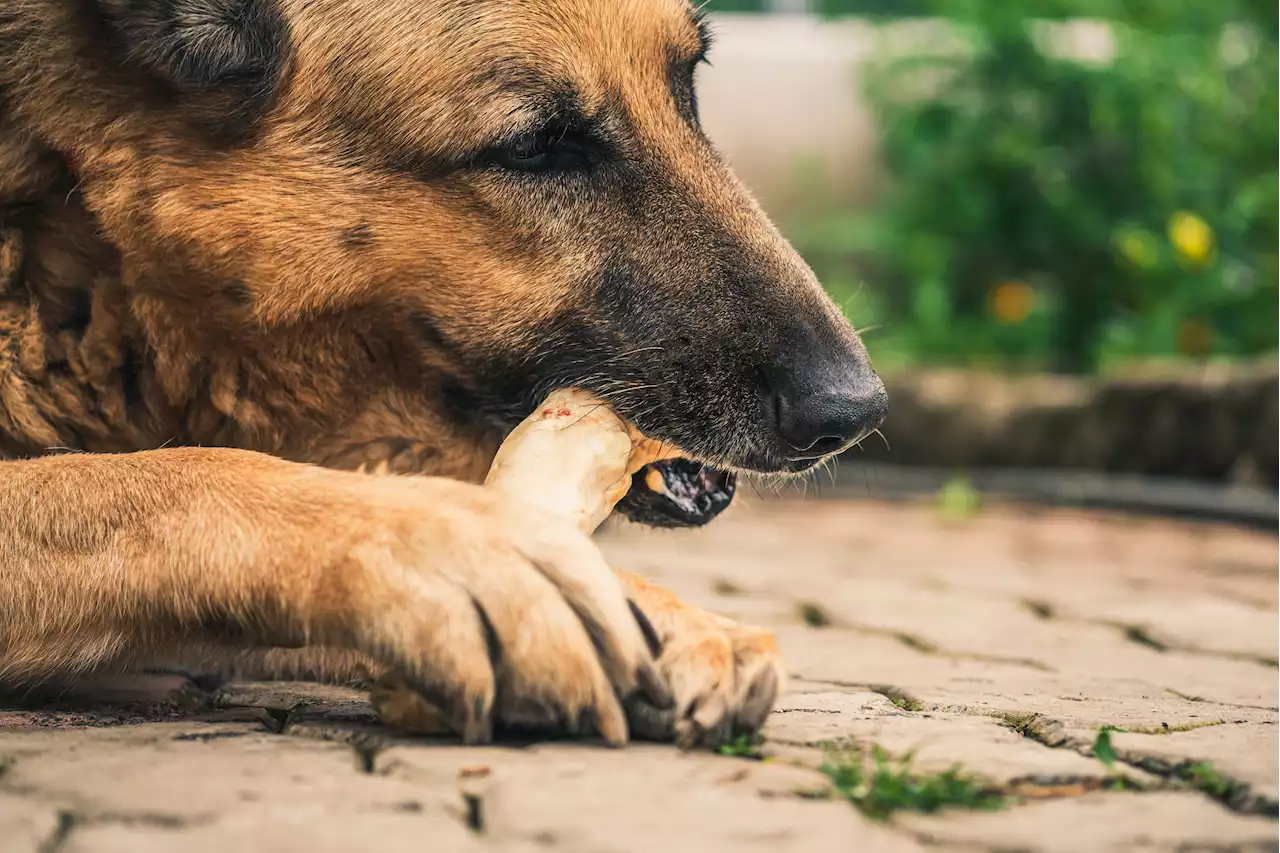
(683, 492)
(677, 493)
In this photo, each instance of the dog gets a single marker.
(257, 251)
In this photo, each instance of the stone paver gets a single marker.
(939, 740)
(1113, 822)
(587, 799)
(26, 824)
(1000, 645)
(1238, 750)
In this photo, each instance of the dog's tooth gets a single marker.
(655, 481)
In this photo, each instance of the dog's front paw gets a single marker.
(724, 677)
(485, 611)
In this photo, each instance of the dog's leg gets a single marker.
(322, 664)
(115, 560)
(725, 677)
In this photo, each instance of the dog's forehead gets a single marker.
(481, 59)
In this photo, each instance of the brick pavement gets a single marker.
(1001, 644)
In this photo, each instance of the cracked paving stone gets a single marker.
(983, 746)
(167, 786)
(307, 826)
(25, 826)
(1103, 822)
(1243, 752)
(337, 702)
(1081, 699)
(573, 797)
(1212, 625)
(1005, 631)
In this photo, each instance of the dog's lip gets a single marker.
(800, 464)
(765, 463)
(756, 464)
(754, 461)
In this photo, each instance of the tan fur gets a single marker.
(159, 291)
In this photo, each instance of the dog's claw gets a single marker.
(758, 702)
(653, 689)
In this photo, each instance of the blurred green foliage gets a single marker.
(1044, 210)
(736, 5)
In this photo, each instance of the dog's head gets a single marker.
(522, 188)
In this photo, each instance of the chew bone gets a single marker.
(572, 457)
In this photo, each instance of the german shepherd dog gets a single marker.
(256, 251)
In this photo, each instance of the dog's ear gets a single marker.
(216, 62)
(221, 58)
(201, 43)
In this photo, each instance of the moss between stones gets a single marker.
(813, 615)
(878, 785)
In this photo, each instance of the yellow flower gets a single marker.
(1011, 302)
(1191, 237)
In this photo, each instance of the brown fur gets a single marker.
(294, 230)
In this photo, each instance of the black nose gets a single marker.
(829, 420)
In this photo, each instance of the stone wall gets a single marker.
(1216, 424)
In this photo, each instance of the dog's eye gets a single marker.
(546, 150)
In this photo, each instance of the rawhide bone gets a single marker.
(573, 457)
